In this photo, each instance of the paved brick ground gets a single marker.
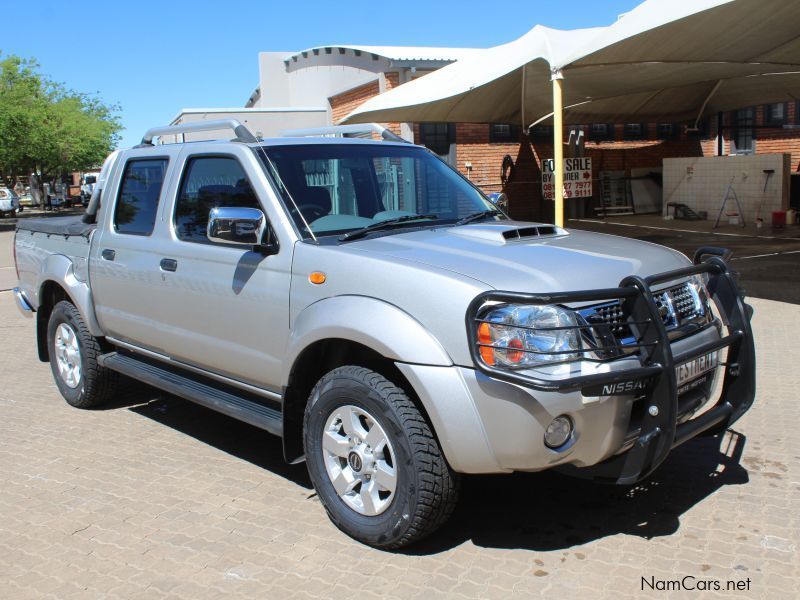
(156, 497)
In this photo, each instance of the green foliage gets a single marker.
(48, 128)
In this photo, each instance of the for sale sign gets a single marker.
(577, 178)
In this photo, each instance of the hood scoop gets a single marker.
(504, 233)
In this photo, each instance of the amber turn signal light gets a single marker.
(317, 278)
(485, 337)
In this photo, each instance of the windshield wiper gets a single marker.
(387, 224)
(479, 216)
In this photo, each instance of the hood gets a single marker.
(528, 257)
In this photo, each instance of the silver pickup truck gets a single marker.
(367, 303)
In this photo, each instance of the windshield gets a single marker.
(344, 187)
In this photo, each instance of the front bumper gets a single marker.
(661, 428)
(492, 420)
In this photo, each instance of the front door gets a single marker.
(226, 307)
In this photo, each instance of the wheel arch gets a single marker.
(376, 324)
(56, 283)
(345, 330)
(319, 358)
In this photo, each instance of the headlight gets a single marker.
(520, 335)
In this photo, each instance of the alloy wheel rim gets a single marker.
(359, 460)
(68, 355)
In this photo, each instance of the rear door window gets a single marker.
(209, 182)
(140, 190)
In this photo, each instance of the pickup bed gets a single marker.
(368, 304)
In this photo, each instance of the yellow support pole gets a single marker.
(558, 147)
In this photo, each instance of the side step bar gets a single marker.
(205, 394)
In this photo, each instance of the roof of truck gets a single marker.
(292, 141)
(296, 141)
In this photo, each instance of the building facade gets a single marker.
(321, 86)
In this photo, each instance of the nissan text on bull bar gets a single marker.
(366, 303)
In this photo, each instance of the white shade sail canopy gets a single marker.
(665, 61)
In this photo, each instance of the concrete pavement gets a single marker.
(769, 262)
(154, 497)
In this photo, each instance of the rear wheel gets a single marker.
(374, 461)
(73, 359)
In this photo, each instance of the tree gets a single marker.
(48, 128)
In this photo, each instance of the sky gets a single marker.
(155, 58)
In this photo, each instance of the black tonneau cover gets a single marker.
(65, 226)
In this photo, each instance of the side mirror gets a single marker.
(240, 226)
(500, 200)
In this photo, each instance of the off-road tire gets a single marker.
(97, 384)
(427, 489)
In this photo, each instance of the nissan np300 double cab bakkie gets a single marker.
(364, 301)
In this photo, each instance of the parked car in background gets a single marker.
(9, 202)
(88, 181)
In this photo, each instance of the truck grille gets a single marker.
(677, 306)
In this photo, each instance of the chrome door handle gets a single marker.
(108, 254)
(169, 264)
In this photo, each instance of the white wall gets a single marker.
(701, 182)
(263, 124)
(310, 86)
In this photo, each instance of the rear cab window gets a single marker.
(139, 193)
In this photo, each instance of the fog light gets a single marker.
(558, 432)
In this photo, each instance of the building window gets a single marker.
(744, 141)
(541, 132)
(666, 131)
(776, 114)
(599, 132)
(440, 138)
(634, 131)
(502, 133)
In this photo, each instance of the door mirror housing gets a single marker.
(242, 227)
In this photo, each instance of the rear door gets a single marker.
(124, 261)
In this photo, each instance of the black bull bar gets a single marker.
(660, 431)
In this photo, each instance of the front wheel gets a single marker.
(374, 461)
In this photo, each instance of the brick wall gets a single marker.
(343, 104)
(472, 145)
(780, 141)
(768, 140)
(619, 155)
(346, 102)
(524, 190)
(392, 80)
